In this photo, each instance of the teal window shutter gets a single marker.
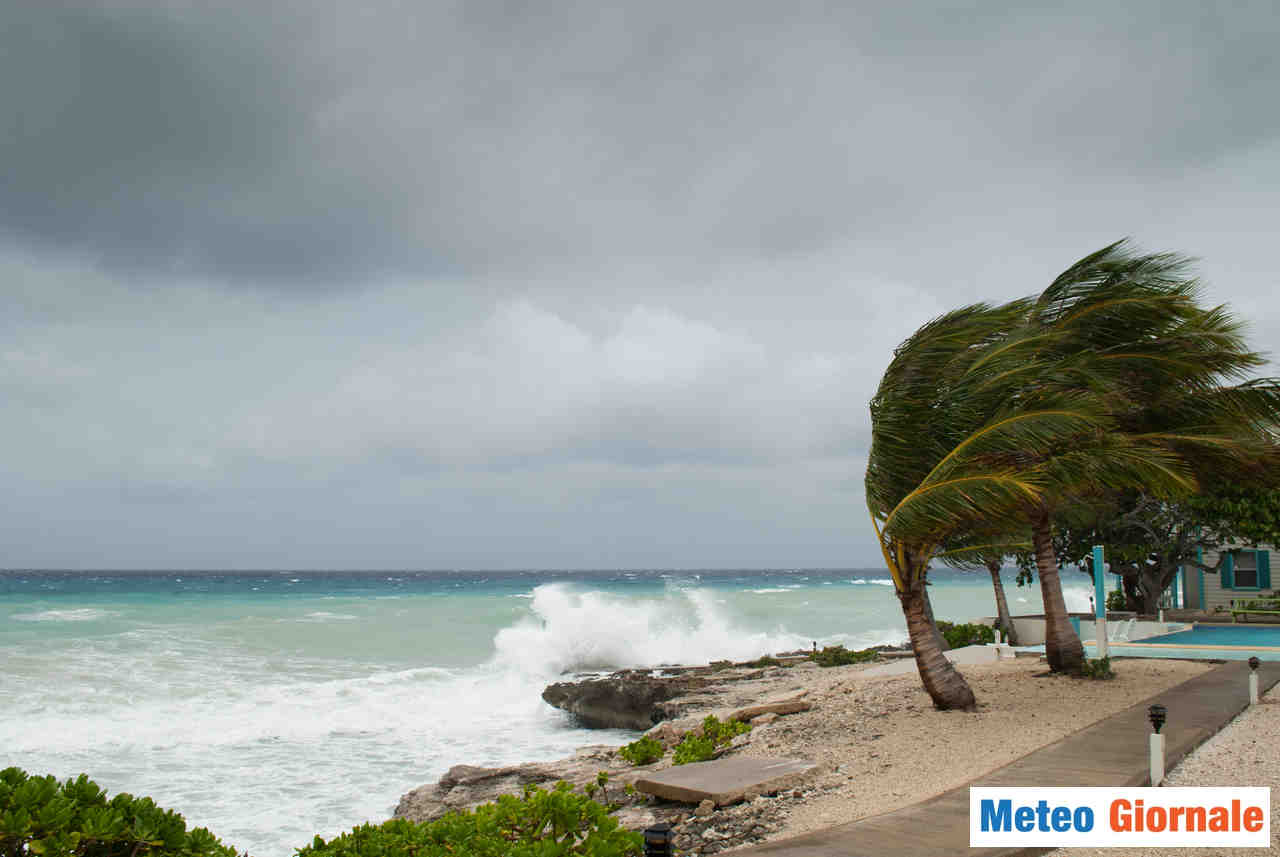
(1228, 571)
(1264, 569)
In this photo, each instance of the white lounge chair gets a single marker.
(1119, 633)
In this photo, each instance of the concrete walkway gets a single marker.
(1111, 752)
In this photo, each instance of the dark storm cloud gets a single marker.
(310, 283)
(335, 142)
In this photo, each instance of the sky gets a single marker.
(317, 284)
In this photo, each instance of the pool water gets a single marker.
(1232, 635)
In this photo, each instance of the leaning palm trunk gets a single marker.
(1062, 645)
(941, 679)
(933, 622)
(1003, 620)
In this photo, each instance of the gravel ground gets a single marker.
(881, 745)
(1245, 753)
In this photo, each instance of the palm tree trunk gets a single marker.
(1003, 620)
(928, 614)
(942, 680)
(1062, 645)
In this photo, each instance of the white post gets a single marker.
(1099, 602)
(1157, 758)
(1253, 688)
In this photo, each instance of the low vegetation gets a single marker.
(541, 823)
(967, 634)
(839, 656)
(40, 817)
(702, 747)
(1099, 670)
(644, 751)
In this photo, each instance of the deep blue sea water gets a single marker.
(270, 706)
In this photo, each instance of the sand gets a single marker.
(882, 745)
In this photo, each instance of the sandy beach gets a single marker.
(882, 745)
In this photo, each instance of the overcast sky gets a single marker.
(325, 284)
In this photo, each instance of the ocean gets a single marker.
(272, 706)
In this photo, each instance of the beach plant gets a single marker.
(556, 822)
(695, 747)
(839, 656)
(1098, 669)
(1116, 600)
(42, 817)
(643, 751)
(966, 634)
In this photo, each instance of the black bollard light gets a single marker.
(659, 841)
(1156, 714)
(1254, 663)
(1155, 744)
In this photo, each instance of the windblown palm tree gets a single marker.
(989, 417)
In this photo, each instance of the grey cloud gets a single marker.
(309, 283)
(331, 143)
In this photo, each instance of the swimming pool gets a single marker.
(1248, 636)
(1202, 642)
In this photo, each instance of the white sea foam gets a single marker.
(83, 614)
(573, 630)
(878, 581)
(772, 589)
(326, 616)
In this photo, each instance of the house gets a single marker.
(1245, 573)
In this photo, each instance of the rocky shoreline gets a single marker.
(667, 702)
(875, 739)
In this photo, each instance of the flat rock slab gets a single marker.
(723, 781)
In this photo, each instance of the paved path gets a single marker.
(1111, 752)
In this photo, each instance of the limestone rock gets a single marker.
(786, 705)
(626, 700)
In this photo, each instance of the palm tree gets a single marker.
(948, 452)
(990, 417)
(1131, 325)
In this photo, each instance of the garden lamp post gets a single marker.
(659, 841)
(1156, 714)
(1253, 679)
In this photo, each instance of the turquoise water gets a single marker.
(1203, 635)
(273, 706)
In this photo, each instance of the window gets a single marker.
(1246, 570)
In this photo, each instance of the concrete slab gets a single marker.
(723, 781)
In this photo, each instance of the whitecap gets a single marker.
(82, 614)
(326, 616)
(879, 581)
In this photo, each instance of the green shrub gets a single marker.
(764, 661)
(700, 748)
(540, 823)
(39, 816)
(693, 749)
(645, 751)
(839, 656)
(967, 634)
(1116, 600)
(1099, 670)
